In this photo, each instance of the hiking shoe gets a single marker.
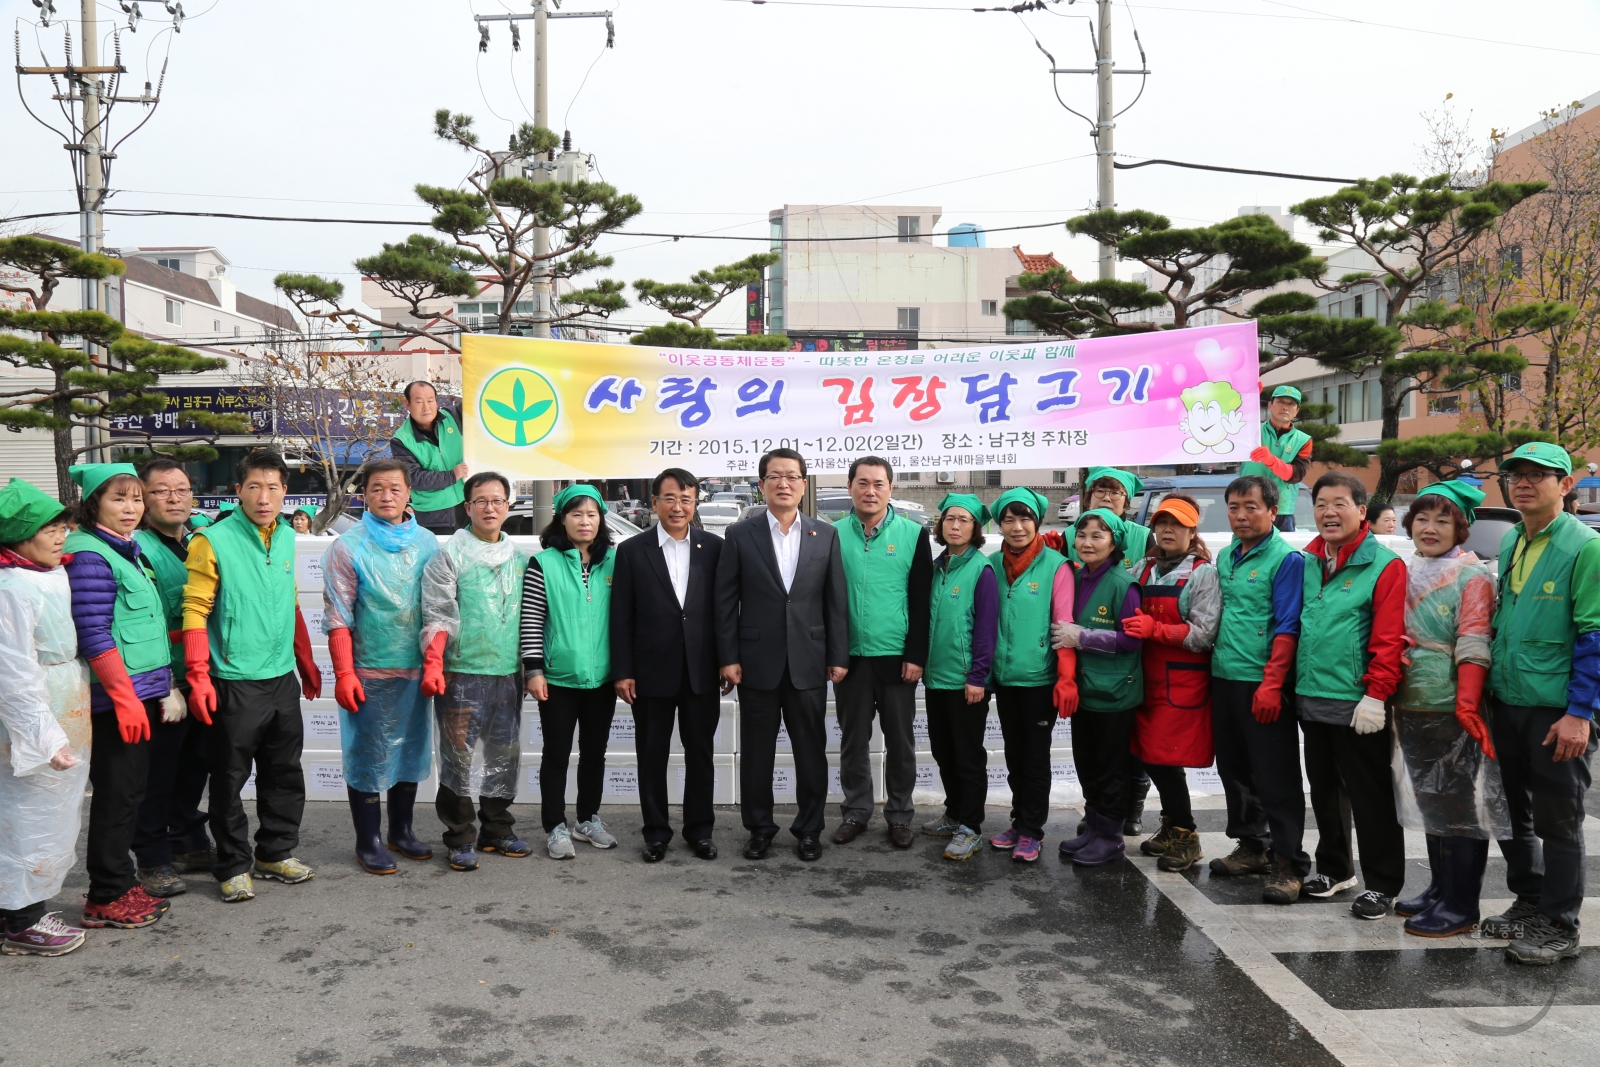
(290, 871)
(199, 861)
(1283, 885)
(964, 844)
(162, 881)
(463, 858)
(1371, 905)
(559, 844)
(1157, 845)
(1543, 941)
(130, 911)
(1242, 860)
(594, 832)
(509, 845)
(945, 827)
(1005, 840)
(1322, 887)
(1183, 850)
(47, 937)
(239, 888)
(1026, 850)
(1511, 923)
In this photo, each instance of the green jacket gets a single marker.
(1285, 448)
(1534, 631)
(171, 577)
(1244, 643)
(577, 637)
(1335, 623)
(138, 622)
(950, 610)
(1022, 656)
(444, 456)
(1108, 681)
(253, 617)
(877, 570)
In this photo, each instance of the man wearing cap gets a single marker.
(428, 445)
(1284, 454)
(1545, 680)
(888, 565)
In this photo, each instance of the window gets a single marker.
(236, 331)
(170, 264)
(909, 319)
(216, 325)
(1360, 304)
(911, 476)
(175, 312)
(910, 228)
(991, 479)
(1019, 326)
(990, 307)
(1444, 405)
(1058, 477)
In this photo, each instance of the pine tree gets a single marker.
(689, 302)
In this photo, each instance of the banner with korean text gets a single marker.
(570, 410)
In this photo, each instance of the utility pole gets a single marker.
(1105, 173)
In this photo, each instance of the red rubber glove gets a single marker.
(1264, 456)
(1470, 678)
(1140, 625)
(304, 661)
(433, 666)
(1065, 695)
(1172, 633)
(346, 686)
(132, 719)
(1268, 702)
(1053, 539)
(197, 665)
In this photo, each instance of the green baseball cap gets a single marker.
(25, 510)
(1289, 391)
(91, 476)
(1544, 454)
(966, 502)
(1464, 496)
(1029, 499)
(1129, 481)
(573, 492)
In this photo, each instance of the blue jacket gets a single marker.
(94, 590)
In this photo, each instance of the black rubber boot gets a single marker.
(402, 801)
(367, 813)
(1138, 789)
(1461, 864)
(1425, 899)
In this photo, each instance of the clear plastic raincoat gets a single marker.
(1444, 784)
(44, 704)
(372, 586)
(472, 592)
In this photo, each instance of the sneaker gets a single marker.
(130, 911)
(1371, 905)
(199, 861)
(1157, 845)
(1283, 885)
(1242, 860)
(1322, 887)
(964, 844)
(238, 888)
(47, 937)
(1183, 850)
(1509, 924)
(509, 845)
(463, 858)
(290, 871)
(1026, 850)
(1543, 941)
(945, 827)
(559, 844)
(1005, 840)
(594, 832)
(162, 881)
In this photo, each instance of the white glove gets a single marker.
(1065, 635)
(1369, 716)
(173, 707)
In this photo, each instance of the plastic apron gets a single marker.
(39, 667)
(1172, 728)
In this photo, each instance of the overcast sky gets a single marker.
(713, 112)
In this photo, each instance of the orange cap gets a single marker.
(1185, 512)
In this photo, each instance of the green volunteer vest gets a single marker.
(1023, 656)
(1285, 448)
(1115, 681)
(1138, 540)
(577, 635)
(491, 618)
(138, 622)
(950, 620)
(444, 456)
(252, 620)
(171, 577)
(1244, 642)
(1335, 622)
(1531, 658)
(876, 572)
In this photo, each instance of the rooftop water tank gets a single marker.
(966, 235)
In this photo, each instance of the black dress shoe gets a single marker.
(655, 851)
(706, 849)
(756, 848)
(809, 848)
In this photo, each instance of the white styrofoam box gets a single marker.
(325, 665)
(724, 739)
(311, 608)
(1205, 781)
(308, 564)
(830, 722)
(320, 719)
(723, 787)
(783, 780)
(325, 780)
(993, 739)
(1064, 789)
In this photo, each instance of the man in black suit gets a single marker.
(664, 659)
(783, 632)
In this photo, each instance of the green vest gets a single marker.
(1335, 622)
(444, 456)
(171, 577)
(1285, 448)
(1114, 681)
(1023, 656)
(577, 634)
(489, 603)
(1244, 642)
(876, 572)
(1132, 556)
(138, 623)
(950, 620)
(252, 620)
(1531, 658)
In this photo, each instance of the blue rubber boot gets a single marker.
(367, 813)
(1425, 899)
(1085, 835)
(1461, 863)
(402, 838)
(1107, 844)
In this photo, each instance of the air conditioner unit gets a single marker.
(946, 478)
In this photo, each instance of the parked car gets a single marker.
(716, 516)
(520, 522)
(1207, 491)
(1067, 513)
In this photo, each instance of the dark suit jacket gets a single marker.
(651, 634)
(761, 626)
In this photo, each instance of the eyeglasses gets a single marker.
(494, 503)
(1113, 493)
(1526, 477)
(171, 494)
(674, 501)
(792, 479)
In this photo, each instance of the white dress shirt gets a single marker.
(786, 546)
(676, 553)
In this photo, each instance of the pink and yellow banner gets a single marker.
(570, 410)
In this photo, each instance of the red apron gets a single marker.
(1173, 726)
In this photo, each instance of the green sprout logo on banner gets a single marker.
(519, 406)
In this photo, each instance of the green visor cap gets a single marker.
(1029, 499)
(1544, 454)
(25, 510)
(1130, 482)
(91, 476)
(1114, 523)
(573, 492)
(1464, 496)
(1289, 391)
(966, 502)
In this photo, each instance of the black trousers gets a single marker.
(117, 774)
(17, 920)
(1100, 741)
(1172, 783)
(1544, 858)
(873, 687)
(697, 715)
(589, 712)
(1352, 777)
(1259, 764)
(257, 724)
(460, 828)
(170, 820)
(955, 735)
(761, 711)
(1027, 720)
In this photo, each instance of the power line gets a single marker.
(1233, 170)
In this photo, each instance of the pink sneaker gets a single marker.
(47, 937)
(1005, 839)
(1026, 850)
